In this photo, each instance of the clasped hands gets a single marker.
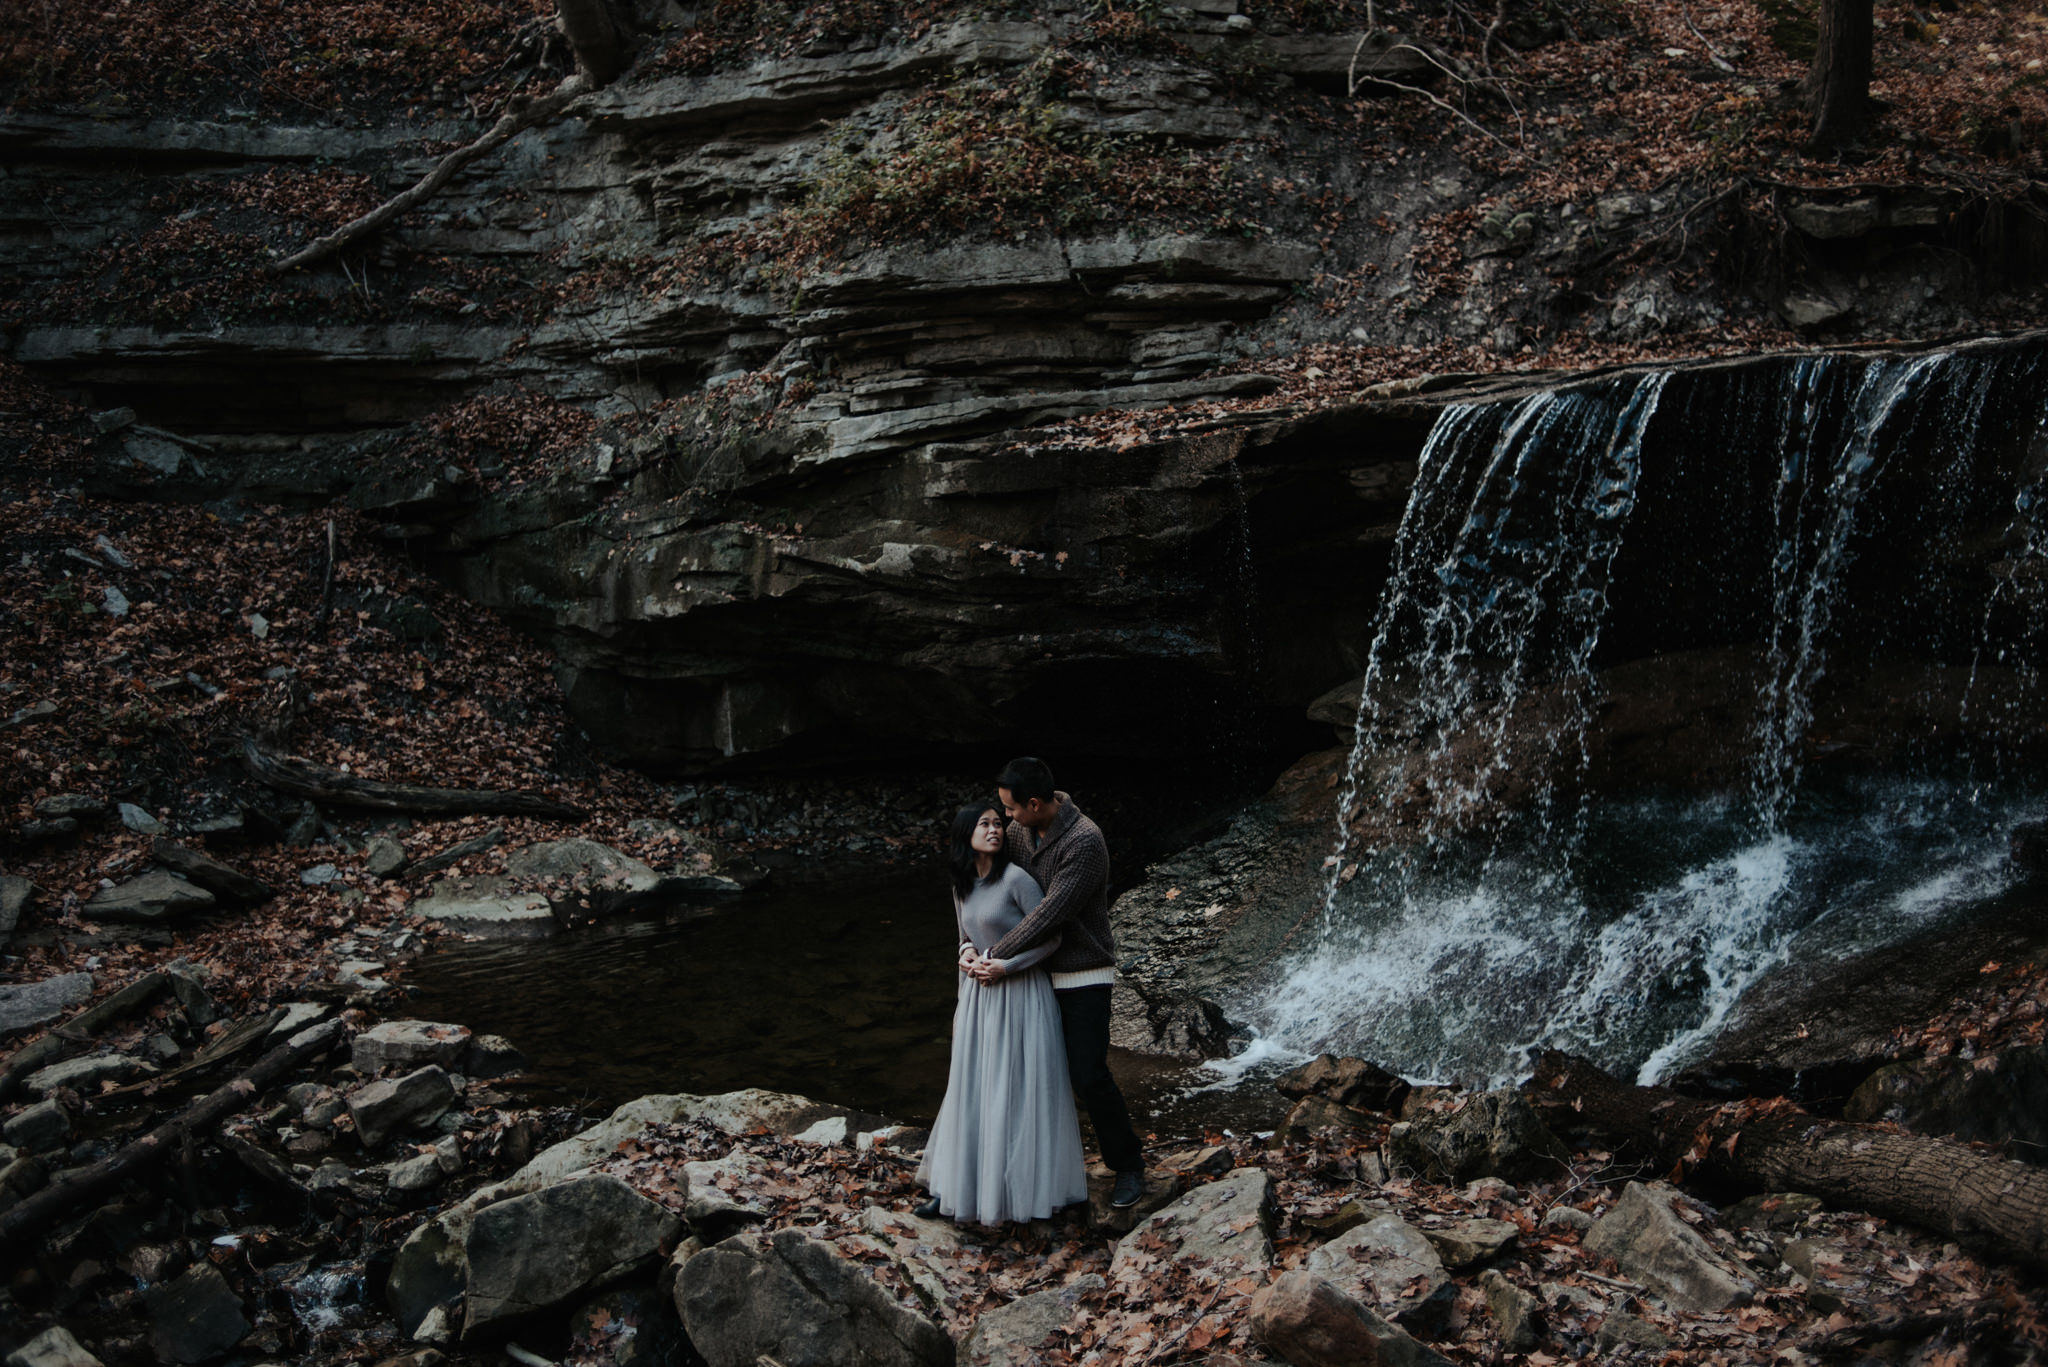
(980, 966)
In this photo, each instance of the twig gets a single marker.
(1714, 54)
(326, 586)
(1185, 1329)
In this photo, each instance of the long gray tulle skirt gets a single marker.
(1007, 1143)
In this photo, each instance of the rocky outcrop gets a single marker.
(1649, 1241)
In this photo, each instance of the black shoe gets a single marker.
(1128, 1191)
(929, 1210)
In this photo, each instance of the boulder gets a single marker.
(1493, 1134)
(1467, 1243)
(39, 1128)
(1516, 1313)
(383, 1108)
(421, 1172)
(2001, 1098)
(232, 886)
(15, 895)
(1650, 1242)
(54, 1347)
(1387, 1263)
(1228, 1220)
(483, 907)
(722, 1198)
(1009, 1335)
(926, 1252)
(384, 858)
(196, 1317)
(404, 1045)
(158, 895)
(537, 1251)
(794, 1299)
(1347, 1081)
(26, 1004)
(492, 1056)
(138, 820)
(601, 879)
(1313, 1113)
(86, 1074)
(1311, 1323)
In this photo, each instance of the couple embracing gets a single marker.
(1031, 896)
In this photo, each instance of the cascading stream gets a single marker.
(1480, 900)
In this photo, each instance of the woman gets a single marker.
(1007, 1143)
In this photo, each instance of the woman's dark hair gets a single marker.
(1027, 778)
(960, 858)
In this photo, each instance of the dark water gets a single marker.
(842, 991)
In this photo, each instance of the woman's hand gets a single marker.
(968, 957)
(987, 970)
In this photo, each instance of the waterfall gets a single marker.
(1478, 901)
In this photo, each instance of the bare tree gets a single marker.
(1836, 90)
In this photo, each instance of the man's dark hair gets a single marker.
(1027, 778)
(960, 859)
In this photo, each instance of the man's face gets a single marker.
(1033, 815)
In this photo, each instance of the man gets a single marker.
(1065, 852)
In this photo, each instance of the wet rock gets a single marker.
(1515, 1312)
(383, 1108)
(2001, 1098)
(492, 1056)
(158, 895)
(26, 1004)
(232, 886)
(1228, 1220)
(536, 1251)
(1009, 1335)
(196, 1317)
(1310, 1322)
(408, 1044)
(77, 806)
(40, 1127)
(1651, 1243)
(1467, 1243)
(1313, 1113)
(1388, 1264)
(54, 1347)
(138, 820)
(86, 1074)
(1347, 1081)
(484, 908)
(794, 1299)
(1493, 1134)
(15, 896)
(384, 858)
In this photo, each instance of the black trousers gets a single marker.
(1084, 1017)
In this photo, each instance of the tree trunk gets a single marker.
(20, 1225)
(1997, 1206)
(301, 779)
(1836, 90)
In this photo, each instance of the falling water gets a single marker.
(1477, 902)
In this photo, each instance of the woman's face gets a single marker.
(988, 833)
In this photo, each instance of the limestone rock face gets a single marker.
(1651, 1243)
(798, 1301)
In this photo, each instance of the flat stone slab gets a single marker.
(26, 1004)
(406, 1045)
(485, 909)
(86, 1074)
(1225, 1221)
(225, 881)
(158, 895)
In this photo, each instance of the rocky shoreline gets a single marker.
(385, 1198)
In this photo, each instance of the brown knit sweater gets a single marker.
(1071, 863)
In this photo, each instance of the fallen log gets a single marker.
(79, 1030)
(301, 778)
(20, 1225)
(1994, 1205)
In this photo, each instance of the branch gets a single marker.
(517, 118)
(39, 1211)
(303, 779)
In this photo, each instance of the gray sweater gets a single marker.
(993, 907)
